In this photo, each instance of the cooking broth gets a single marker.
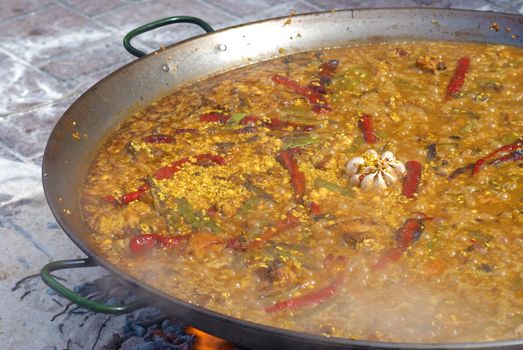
(369, 192)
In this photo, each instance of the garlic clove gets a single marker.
(355, 180)
(399, 167)
(372, 154)
(379, 182)
(389, 175)
(354, 165)
(368, 181)
(388, 156)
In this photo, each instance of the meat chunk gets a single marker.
(430, 64)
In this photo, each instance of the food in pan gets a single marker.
(369, 192)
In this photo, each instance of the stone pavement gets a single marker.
(51, 51)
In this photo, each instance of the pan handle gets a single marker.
(157, 24)
(91, 305)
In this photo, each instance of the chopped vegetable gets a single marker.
(299, 141)
(236, 118)
(195, 220)
(458, 79)
(257, 190)
(412, 179)
(249, 205)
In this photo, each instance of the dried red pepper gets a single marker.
(366, 125)
(214, 117)
(281, 226)
(325, 73)
(316, 99)
(412, 179)
(311, 299)
(405, 237)
(286, 157)
(458, 79)
(168, 171)
(507, 148)
(315, 209)
(142, 243)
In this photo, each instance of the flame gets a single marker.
(206, 341)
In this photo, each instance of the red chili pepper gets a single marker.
(158, 139)
(311, 299)
(316, 99)
(286, 157)
(460, 171)
(412, 179)
(328, 69)
(367, 127)
(283, 225)
(507, 148)
(325, 73)
(214, 117)
(511, 157)
(131, 197)
(405, 237)
(141, 243)
(315, 209)
(168, 171)
(458, 79)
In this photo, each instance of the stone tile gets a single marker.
(27, 133)
(76, 64)
(41, 36)
(7, 158)
(135, 14)
(283, 9)
(93, 8)
(22, 87)
(14, 8)
(244, 8)
(353, 4)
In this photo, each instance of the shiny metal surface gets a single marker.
(79, 132)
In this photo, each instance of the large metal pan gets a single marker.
(76, 137)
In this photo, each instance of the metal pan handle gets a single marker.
(157, 24)
(91, 305)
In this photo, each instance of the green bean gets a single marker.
(300, 141)
(319, 182)
(236, 118)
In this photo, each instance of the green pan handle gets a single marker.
(91, 305)
(157, 24)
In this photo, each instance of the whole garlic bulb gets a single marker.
(370, 171)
